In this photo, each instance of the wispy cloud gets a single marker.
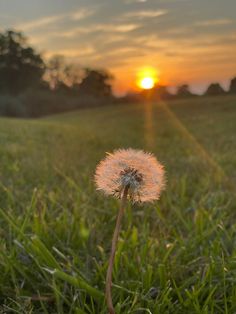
(124, 28)
(72, 53)
(50, 20)
(82, 14)
(41, 22)
(217, 22)
(146, 14)
(135, 1)
(103, 28)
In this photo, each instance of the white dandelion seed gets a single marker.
(138, 170)
(133, 174)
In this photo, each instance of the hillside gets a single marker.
(52, 216)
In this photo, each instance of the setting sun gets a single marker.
(147, 78)
(147, 83)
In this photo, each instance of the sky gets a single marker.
(185, 41)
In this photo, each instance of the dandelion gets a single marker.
(128, 174)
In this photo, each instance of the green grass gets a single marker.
(174, 256)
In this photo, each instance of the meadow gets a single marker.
(177, 255)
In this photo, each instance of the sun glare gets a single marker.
(147, 78)
(147, 83)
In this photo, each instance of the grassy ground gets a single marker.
(175, 256)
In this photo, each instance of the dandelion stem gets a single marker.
(113, 251)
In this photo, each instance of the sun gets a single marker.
(147, 83)
(147, 78)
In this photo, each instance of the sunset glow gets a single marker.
(147, 78)
(132, 37)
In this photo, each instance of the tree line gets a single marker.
(182, 91)
(32, 87)
(21, 67)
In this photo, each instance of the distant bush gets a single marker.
(183, 91)
(45, 102)
(232, 88)
(39, 102)
(215, 89)
(11, 106)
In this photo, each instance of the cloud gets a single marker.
(72, 53)
(49, 20)
(135, 1)
(42, 22)
(102, 28)
(123, 28)
(146, 14)
(82, 14)
(217, 22)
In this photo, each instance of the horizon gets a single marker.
(127, 36)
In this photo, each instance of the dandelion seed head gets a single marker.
(135, 169)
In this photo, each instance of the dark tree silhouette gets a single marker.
(96, 83)
(54, 72)
(62, 76)
(20, 66)
(232, 88)
(183, 91)
(73, 75)
(214, 89)
(162, 92)
(158, 92)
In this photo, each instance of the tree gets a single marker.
(73, 75)
(20, 66)
(61, 75)
(232, 88)
(214, 89)
(161, 92)
(54, 72)
(183, 91)
(96, 83)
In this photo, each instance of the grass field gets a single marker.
(174, 256)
